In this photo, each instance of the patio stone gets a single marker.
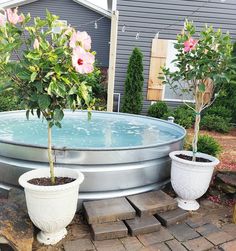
(131, 243)
(207, 229)
(15, 225)
(183, 232)
(152, 202)
(172, 217)
(230, 229)
(199, 244)
(219, 237)
(174, 245)
(229, 246)
(156, 247)
(109, 245)
(143, 225)
(79, 245)
(156, 237)
(110, 230)
(108, 210)
(197, 222)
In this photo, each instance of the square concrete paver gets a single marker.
(172, 217)
(152, 202)
(207, 229)
(109, 245)
(143, 225)
(174, 245)
(156, 237)
(229, 246)
(156, 247)
(219, 237)
(199, 244)
(183, 232)
(197, 222)
(110, 230)
(108, 210)
(131, 243)
(79, 245)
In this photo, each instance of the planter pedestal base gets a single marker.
(190, 205)
(51, 238)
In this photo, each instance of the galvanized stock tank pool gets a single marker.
(119, 154)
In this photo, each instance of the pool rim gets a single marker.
(100, 148)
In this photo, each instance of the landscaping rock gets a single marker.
(79, 245)
(152, 202)
(143, 225)
(183, 232)
(226, 182)
(172, 217)
(199, 244)
(110, 230)
(108, 210)
(15, 226)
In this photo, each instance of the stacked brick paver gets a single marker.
(177, 233)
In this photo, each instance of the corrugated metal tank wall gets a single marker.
(151, 16)
(76, 15)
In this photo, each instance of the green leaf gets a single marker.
(202, 88)
(58, 115)
(33, 76)
(58, 124)
(44, 102)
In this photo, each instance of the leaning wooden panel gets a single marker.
(157, 60)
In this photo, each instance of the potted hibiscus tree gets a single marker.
(44, 69)
(203, 63)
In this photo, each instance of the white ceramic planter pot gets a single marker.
(51, 208)
(190, 180)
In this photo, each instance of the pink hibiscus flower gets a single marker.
(13, 17)
(81, 38)
(82, 60)
(190, 44)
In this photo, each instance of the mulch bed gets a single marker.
(228, 143)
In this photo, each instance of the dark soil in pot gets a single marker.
(47, 181)
(198, 159)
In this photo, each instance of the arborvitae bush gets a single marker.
(158, 109)
(219, 110)
(207, 144)
(133, 92)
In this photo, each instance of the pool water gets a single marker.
(102, 131)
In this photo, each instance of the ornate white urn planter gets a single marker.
(51, 208)
(189, 179)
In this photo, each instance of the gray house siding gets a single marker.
(151, 16)
(77, 15)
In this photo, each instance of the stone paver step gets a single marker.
(152, 202)
(108, 210)
(109, 230)
(172, 217)
(143, 225)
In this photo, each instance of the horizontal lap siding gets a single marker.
(76, 15)
(149, 17)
